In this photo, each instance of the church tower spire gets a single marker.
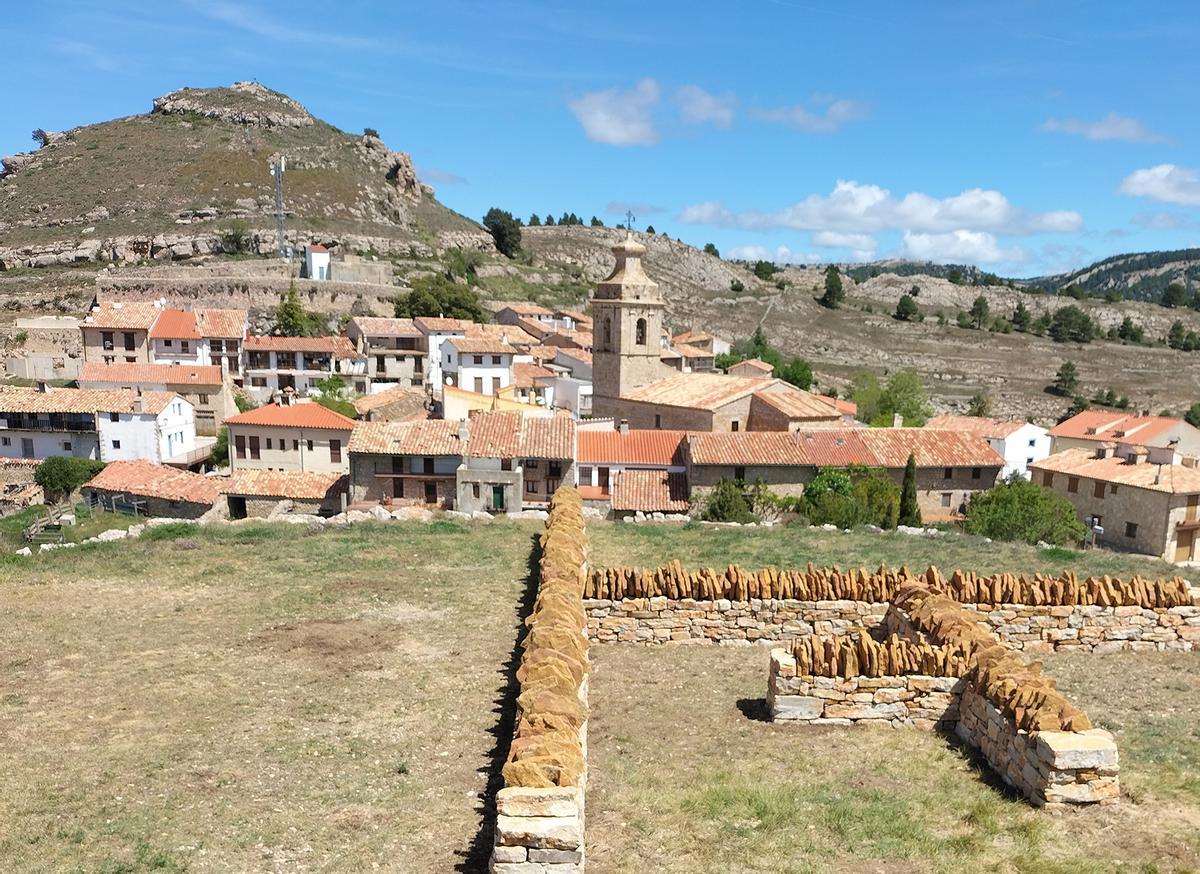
(627, 317)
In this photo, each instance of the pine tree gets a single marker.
(834, 293)
(549, 222)
(910, 511)
(906, 308)
(534, 220)
(596, 223)
(1066, 381)
(979, 311)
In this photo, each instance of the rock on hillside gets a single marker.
(171, 184)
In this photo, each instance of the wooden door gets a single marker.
(1183, 545)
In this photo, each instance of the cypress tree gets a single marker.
(910, 513)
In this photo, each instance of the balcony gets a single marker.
(202, 451)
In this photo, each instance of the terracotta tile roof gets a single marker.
(846, 408)
(78, 400)
(578, 354)
(1172, 478)
(892, 446)
(422, 437)
(146, 479)
(651, 491)
(872, 447)
(755, 364)
(381, 327)
(438, 325)
(533, 326)
(514, 435)
(705, 391)
(208, 375)
(400, 396)
(297, 485)
(175, 325)
(573, 314)
(480, 345)
(316, 247)
(513, 334)
(133, 316)
(1100, 425)
(799, 405)
(978, 425)
(339, 346)
(527, 309)
(221, 324)
(691, 351)
(648, 447)
(692, 337)
(526, 375)
(581, 339)
(294, 415)
(542, 353)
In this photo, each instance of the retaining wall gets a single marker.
(540, 810)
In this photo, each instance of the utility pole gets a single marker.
(277, 168)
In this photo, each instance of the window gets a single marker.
(258, 382)
(5, 441)
(1131, 529)
(948, 473)
(168, 343)
(976, 472)
(254, 450)
(478, 359)
(1029, 460)
(640, 332)
(130, 345)
(475, 491)
(427, 465)
(657, 420)
(203, 399)
(310, 446)
(739, 473)
(269, 443)
(130, 359)
(479, 385)
(531, 463)
(1112, 488)
(1032, 442)
(506, 464)
(735, 425)
(66, 446)
(585, 474)
(530, 486)
(555, 468)
(184, 347)
(116, 444)
(335, 451)
(114, 417)
(282, 446)
(295, 445)
(495, 359)
(1047, 479)
(1098, 490)
(106, 339)
(607, 333)
(239, 446)
(947, 498)
(1072, 484)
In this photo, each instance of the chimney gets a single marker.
(42, 386)
(623, 426)
(464, 431)
(897, 420)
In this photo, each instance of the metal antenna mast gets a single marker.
(277, 168)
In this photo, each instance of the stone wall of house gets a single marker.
(155, 507)
(540, 810)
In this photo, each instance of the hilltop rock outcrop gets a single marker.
(242, 103)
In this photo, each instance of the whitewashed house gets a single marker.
(157, 426)
(480, 363)
(1020, 443)
(316, 262)
(274, 364)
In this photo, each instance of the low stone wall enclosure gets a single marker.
(1037, 615)
(540, 809)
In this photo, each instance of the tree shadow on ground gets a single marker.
(754, 709)
(477, 855)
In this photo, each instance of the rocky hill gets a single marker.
(192, 178)
(1139, 276)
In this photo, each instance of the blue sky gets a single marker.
(1027, 137)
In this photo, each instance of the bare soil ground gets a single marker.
(263, 700)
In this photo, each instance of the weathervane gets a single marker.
(629, 217)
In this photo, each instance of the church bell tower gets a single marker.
(627, 317)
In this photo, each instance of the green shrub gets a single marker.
(852, 497)
(171, 531)
(1016, 509)
(727, 503)
(60, 475)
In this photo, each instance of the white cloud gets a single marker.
(852, 208)
(1163, 221)
(1111, 127)
(619, 118)
(780, 255)
(958, 246)
(697, 106)
(839, 240)
(1168, 183)
(822, 115)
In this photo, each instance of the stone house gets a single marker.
(1091, 427)
(274, 364)
(118, 331)
(514, 461)
(203, 386)
(478, 363)
(950, 466)
(153, 489)
(716, 402)
(291, 436)
(407, 462)
(256, 494)
(395, 349)
(1133, 498)
(1019, 443)
(514, 313)
(694, 359)
(750, 367)
(396, 404)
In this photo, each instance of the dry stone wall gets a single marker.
(540, 810)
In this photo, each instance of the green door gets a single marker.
(497, 497)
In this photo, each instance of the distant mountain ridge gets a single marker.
(1136, 276)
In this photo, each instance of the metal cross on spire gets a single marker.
(629, 217)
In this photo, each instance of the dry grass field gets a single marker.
(262, 698)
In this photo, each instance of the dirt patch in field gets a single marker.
(334, 644)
